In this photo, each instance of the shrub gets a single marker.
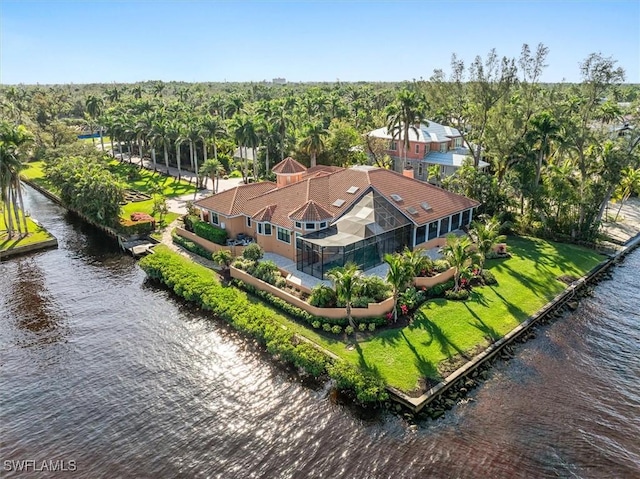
(488, 277)
(190, 246)
(441, 265)
(348, 330)
(322, 296)
(366, 386)
(253, 252)
(439, 289)
(336, 329)
(374, 287)
(372, 326)
(362, 302)
(362, 326)
(459, 295)
(189, 221)
(267, 271)
(210, 232)
(133, 227)
(326, 327)
(235, 174)
(316, 324)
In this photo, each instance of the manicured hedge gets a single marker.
(190, 246)
(198, 284)
(210, 232)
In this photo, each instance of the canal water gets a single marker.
(100, 367)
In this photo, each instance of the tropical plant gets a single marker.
(345, 281)
(312, 141)
(399, 275)
(486, 235)
(459, 255)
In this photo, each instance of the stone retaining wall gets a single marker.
(210, 246)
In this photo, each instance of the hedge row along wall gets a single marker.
(199, 285)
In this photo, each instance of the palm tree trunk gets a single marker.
(16, 211)
(195, 161)
(313, 159)
(191, 153)
(24, 216)
(215, 149)
(101, 140)
(177, 161)
(9, 220)
(267, 165)
(255, 164)
(166, 156)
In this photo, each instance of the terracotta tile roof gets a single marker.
(232, 202)
(265, 214)
(310, 211)
(288, 166)
(321, 193)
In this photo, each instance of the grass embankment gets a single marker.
(145, 181)
(200, 285)
(37, 234)
(444, 329)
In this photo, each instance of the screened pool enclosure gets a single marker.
(369, 230)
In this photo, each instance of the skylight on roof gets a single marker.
(396, 197)
(338, 203)
(412, 210)
(426, 206)
(352, 190)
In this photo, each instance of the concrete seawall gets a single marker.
(464, 372)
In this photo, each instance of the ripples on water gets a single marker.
(98, 366)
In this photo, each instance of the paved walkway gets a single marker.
(628, 224)
(168, 241)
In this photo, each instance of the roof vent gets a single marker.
(352, 190)
(396, 197)
(426, 206)
(338, 203)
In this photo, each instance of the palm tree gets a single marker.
(176, 134)
(213, 169)
(312, 141)
(459, 256)
(160, 132)
(399, 275)
(94, 108)
(629, 183)
(486, 236)
(223, 258)
(13, 142)
(237, 126)
(409, 113)
(346, 281)
(282, 122)
(544, 131)
(213, 128)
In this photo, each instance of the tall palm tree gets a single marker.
(213, 128)
(485, 236)
(176, 134)
(312, 141)
(544, 131)
(237, 127)
(459, 255)
(629, 184)
(399, 275)
(282, 122)
(144, 131)
(346, 281)
(95, 106)
(13, 143)
(213, 169)
(410, 112)
(160, 132)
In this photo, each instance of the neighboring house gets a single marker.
(429, 144)
(326, 216)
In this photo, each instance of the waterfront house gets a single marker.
(430, 144)
(326, 216)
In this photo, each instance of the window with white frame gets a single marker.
(284, 235)
(267, 229)
(417, 149)
(213, 217)
(310, 226)
(420, 169)
(323, 224)
(443, 147)
(248, 222)
(394, 146)
(298, 224)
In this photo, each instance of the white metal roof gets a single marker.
(431, 132)
(451, 158)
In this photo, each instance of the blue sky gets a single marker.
(124, 41)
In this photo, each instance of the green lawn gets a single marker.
(443, 329)
(146, 181)
(37, 234)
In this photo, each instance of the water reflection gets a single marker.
(38, 317)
